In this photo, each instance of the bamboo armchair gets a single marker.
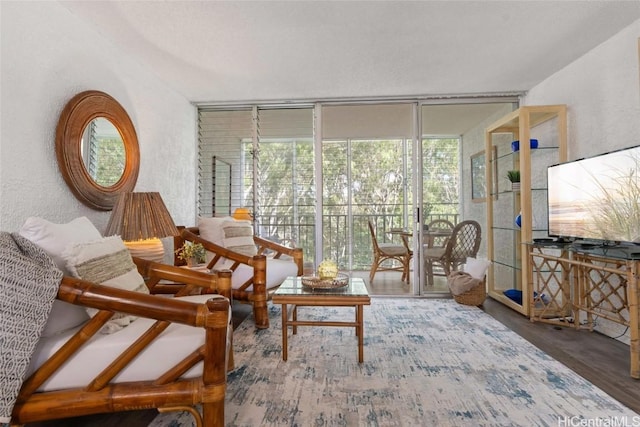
(168, 391)
(253, 288)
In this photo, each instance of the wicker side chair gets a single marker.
(439, 224)
(251, 282)
(389, 252)
(463, 243)
(118, 386)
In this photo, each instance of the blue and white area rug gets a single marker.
(427, 363)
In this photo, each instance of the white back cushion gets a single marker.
(53, 239)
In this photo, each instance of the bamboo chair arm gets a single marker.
(88, 294)
(280, 250)
(191, 234)
(153, 272)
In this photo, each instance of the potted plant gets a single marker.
(191, 253)
(514, 177)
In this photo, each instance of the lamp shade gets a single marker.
(140, 216)
(242, 214)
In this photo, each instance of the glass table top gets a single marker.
(294, 286)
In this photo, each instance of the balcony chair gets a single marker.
(169, 354)
(259, 265)
(439, 224)
(463, 243)
(389, 252)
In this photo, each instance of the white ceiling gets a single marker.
(231, 51)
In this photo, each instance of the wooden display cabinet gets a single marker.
(505, 240)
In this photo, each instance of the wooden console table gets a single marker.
(568, 282)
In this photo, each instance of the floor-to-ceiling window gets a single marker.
(316, 174)
(270, 151)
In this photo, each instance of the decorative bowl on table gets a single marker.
(315, 282)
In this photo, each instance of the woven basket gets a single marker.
(475, 296)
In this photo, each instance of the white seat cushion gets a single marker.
(392, 249)
(174, 344)
(277, 271)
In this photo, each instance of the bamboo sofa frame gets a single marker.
(259, 294)
(168, 392)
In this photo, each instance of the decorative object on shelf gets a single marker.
(518, 220)
(327, 270)
(515, 145)
(339, 281)
(514, 294)
(191, 253)
(514, 177)
(141, 220)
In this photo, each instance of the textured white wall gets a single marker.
(49, 55)
(473, 141)
(602, 93)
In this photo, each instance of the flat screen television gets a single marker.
(596, 198)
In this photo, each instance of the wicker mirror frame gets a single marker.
(75, 117)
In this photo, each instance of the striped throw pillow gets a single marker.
(106, 261)
(238, 237)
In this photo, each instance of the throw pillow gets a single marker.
(53, 239)
(477, 268)
(106, 261)
(460, 282)
(238, 237)
(211, 229)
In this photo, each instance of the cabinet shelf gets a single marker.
(505, 241)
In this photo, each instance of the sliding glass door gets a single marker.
(363, 180)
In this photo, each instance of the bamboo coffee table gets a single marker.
(293, 293)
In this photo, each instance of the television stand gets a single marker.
(570, 287)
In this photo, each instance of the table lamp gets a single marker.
(242, 214)
(141, 220)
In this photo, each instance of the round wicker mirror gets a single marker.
(76, 120)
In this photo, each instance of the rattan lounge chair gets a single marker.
(255, 278)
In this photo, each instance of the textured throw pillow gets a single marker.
(211, 229)
(238, 237)
(106, 261)
(477, 268)
(53, 239)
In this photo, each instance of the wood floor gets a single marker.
(598, 358)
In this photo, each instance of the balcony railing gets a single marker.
(347, 242)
